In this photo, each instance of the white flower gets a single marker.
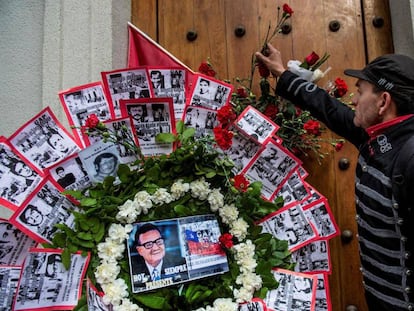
(225, 304)
(143, 199)
(127, 305)
(115, 291)
(229, 213)
(110, 250)
(244, 249)
(247, 264)
(178, 189)
(107, 272)
(242, 294)
(239, 228)
(200, 189)
(128, 212)
(317, 75)
(251, 281)
(161, 196)
(216, 200)
(118, 233)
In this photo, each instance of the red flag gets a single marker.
(144, 51)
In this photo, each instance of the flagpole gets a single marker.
(159, 46)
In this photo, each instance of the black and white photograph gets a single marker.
(14, 244)
(70, 173)
(272, 166)
(82, 101)
(170, 82)
(45, 284)
(256, 304)
(323, 297)
(94, 298)
(313, 257)
(9, 279)
(39, 214)
(257, 125)
(151, 117)
(17, 177)
(100, 160)
(290, 224)
(124, 131)
(320, 215)
(296, 291)
(203, 120)
(293, 189)
(128, 83)
(209, 92)
(43, 140)
(242, 150)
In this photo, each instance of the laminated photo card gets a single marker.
(43, 140)
(45, 284)
(203, 120)
(272, 166)
(127, 83)
(150, 117)
(45, 208)
(256, 304)
(323, 296)
(14, 244)
(296, 291)
(320, 215)
(80, 102)
(18, 177)
(255, 124)
(94, 298)
(124, 130)
(70, 173)
(242, 150)
(290, 224)
(313, 257)
(293, 189)
(170, 82)
(209, 92)
(9, 279)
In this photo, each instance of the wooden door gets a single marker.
(364, 32)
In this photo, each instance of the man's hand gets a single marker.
(273, 61)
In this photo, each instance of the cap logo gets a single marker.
(385, 84)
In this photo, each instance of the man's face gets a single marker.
(156, 79)
(58, 143)
(107, 166)
(156, 253)
(367, 104)
(23, 170)
(33, 217)
(136, 111)
(61, 173)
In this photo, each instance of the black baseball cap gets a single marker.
(393, 73)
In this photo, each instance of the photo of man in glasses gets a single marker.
(156, 261)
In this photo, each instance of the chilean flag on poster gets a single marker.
(199, 243)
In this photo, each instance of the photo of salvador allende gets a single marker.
(155, 258)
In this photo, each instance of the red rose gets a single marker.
(205, 68)
(271, 111)
(263, 70)
(92, 121)
(312, 127)
(312, 58)
(241, 92)
(226, 115)
(226, 240)
(340, 87)
(223, 137)
(339, 146)
(287, 10)
(241, 183)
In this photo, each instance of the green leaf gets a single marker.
(211, 174)
(153, 301)
(66, 258)
(182, 210)
(188, 133)
(179, 127)
(165, 138)
(88, 202)
(85, 236)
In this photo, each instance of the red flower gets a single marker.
(287, 9)
(241, 183)
(340, 87)
(205, 68)
(223, 137)
(312, 127)
(271, 111)
(92, 121)
(263, 70)
(312, 58)
(241, 92)
(226, 240)
(298, 111)
(226, 115)
(339, 146)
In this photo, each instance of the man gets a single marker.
(152, 264)
(379, 127)
(106, 164)
(64, 180)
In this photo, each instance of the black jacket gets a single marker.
(386, 246)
